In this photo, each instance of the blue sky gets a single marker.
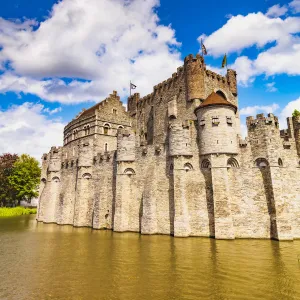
(57, 58)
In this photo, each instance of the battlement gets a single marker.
(261, 120)
(170, 81)
(192, 58)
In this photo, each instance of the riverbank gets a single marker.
(16, 211)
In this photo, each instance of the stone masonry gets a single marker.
(175, 163)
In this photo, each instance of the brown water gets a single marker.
(39, 261)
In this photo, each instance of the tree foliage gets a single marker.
(296, 113)
(25, 178)
(7, 192)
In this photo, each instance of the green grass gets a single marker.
(16, 211)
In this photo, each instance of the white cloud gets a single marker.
(245, 69)
(295, 5)
(271, 87)
(260, 30)
(25, 129)
(277, 11)
(107, 42)
(52, 111)
(253, 110)
(288, 111)
(241, 32)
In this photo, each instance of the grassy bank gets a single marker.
(16, 211)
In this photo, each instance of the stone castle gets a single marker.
(175, 163)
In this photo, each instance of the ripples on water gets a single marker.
(39, 261)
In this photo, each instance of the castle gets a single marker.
(175, 163)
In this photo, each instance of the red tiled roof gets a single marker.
(215, 99)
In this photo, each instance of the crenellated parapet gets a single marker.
(170, 82)
(261, 120)
(268, 141)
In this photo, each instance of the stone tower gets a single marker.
(218, 146)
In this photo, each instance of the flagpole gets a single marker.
(130, 88)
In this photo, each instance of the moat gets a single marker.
(47, 261)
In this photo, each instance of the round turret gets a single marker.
(217, 125)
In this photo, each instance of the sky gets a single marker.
(58, 57)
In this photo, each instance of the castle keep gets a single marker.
(175, 163)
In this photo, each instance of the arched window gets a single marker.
(188, 167)
(120, 127)
(261, 163)
(55, 179)
(220, 93)
(232, 163)
(105, 147)
(75, 134)
(205, 164)
(280, 163)
(87, 176)
(129, 171)
(106, 128)
(87, 130)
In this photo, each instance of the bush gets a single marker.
(16, 211)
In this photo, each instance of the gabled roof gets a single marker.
(215, 99)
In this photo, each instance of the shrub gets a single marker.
(16, 211)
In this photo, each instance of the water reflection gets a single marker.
(62, 262)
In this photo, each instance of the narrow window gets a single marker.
(106, 128)
(215, 120)
(105, 147)
(229, 121)
(114, 111)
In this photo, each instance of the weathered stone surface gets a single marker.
(171, 166)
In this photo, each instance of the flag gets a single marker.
(132, 86)
(224, 62)
(204, 51)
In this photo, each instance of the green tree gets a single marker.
(7, 192)
(296, 113)
(25, 178)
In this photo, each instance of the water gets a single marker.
(39, 261)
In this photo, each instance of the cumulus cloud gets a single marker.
(295, 6)
(276, 38)
(104, 43)
(253, 110)
(277, 11)
(288, 110)
(271, 87)
(52, 111)
(25, 129)
(241, 32)
(245, 69)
